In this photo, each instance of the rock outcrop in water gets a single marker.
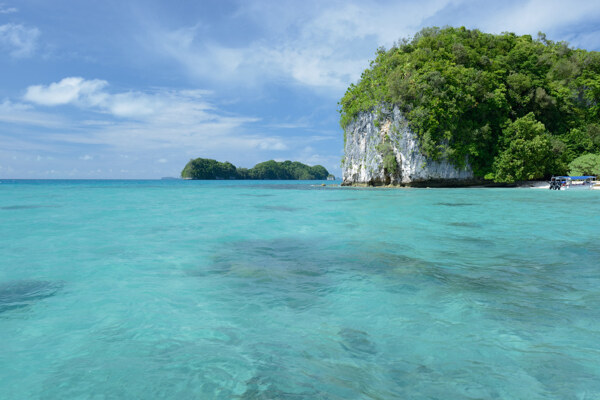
(516, 108)
(205, 168)
(380, 149)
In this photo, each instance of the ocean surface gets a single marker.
(291, 290)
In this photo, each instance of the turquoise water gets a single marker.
(286, 290)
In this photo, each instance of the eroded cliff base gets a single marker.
(381, 150)
(433, 183)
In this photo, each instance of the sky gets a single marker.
(107, 89)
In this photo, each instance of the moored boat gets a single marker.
(572, 182)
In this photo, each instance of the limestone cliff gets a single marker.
(380, 149)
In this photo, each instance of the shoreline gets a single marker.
(452, 185)
(516, 185)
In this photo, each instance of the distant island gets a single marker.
(205, 168)
(459, 106)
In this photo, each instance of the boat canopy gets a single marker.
(575, 177)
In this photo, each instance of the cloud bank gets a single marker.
(325, 46)
(140, 121)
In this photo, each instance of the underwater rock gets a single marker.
(356, 341)
(22, 293)
(279, 208)
(464, 224)
(26, 207)
(454, 204)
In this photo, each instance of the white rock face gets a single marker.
(363, 161)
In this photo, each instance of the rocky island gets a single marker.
(455, 107)
(205, 168)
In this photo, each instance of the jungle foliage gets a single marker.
(512, 107)
(588, 164)
(204, 168)
(390, 164)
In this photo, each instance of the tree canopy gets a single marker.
(588, 164)
(203, 168)
(469, 95)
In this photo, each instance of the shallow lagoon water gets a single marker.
(290, 290)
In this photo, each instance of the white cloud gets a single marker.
(541, 15)
(139, 121)
(18, 40)
(133, 104)
(585, 40)
(68, 90)
(319, 46)
(174, 106)
(19, 113)
(288, 125)
(7, 10)
(162, 160)
(326, 45)
(312, 156)
(271, 144)
(86, 157)
(258, 62)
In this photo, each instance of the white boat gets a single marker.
(572, 182)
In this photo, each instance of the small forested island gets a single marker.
(204, 168)
(459, 106)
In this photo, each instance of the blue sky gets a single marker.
(134, 89)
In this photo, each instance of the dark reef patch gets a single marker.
(23, 293)
(293, 271)
(473, 242)
(341, 200)
(264, 387)
(465, 224)
(455, 204)
(356, 342)
(279, 208)
(27, 207)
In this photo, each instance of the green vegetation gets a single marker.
(390, 165)
(513, 107)
(203, 168)
(588, 164)
(526, 152)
